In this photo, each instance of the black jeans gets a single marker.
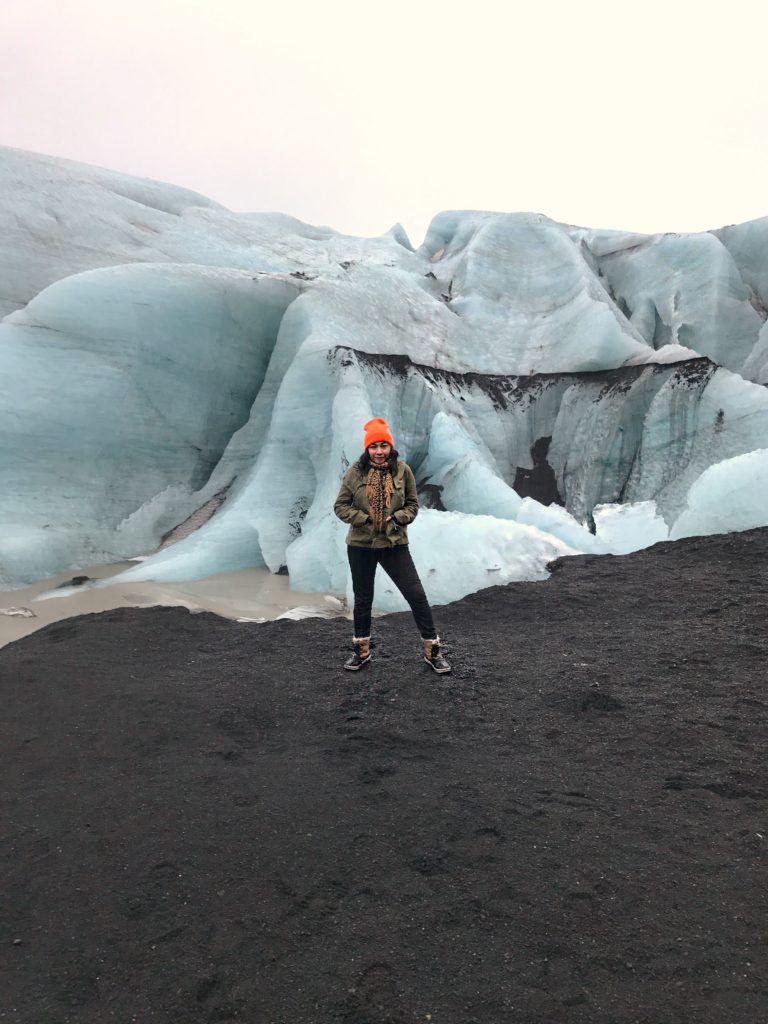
(398, 565)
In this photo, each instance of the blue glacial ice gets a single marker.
(185, 383)
(731, 495)
(630, 527)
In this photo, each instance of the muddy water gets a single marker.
(254, 594)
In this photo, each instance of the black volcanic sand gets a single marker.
(207, 821)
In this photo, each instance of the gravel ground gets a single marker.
(207, 821)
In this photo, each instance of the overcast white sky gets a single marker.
(645, 115)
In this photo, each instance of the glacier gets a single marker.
(186, 383)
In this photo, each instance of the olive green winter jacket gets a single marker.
(352, 507)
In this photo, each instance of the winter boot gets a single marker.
(434, 658)
(362, 653)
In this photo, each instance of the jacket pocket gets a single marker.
(362, 534)
(395, 533)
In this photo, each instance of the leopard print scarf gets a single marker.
(378, 488)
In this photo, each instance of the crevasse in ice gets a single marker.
(165, 363)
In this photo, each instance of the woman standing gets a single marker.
(378, 499)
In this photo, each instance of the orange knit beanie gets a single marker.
(377, 430)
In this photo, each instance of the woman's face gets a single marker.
(379, 452)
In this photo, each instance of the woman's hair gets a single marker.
(364, 462)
